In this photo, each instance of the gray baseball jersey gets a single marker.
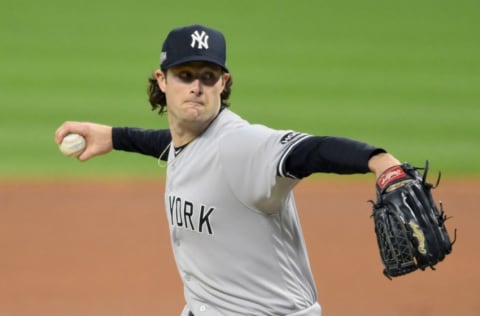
(233, 222)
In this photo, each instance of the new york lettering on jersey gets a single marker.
(188, 215)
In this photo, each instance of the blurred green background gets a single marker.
(404, 75)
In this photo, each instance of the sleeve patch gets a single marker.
(289, 137)
(292, 139)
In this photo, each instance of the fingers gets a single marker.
(71, 127)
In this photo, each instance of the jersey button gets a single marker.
(175, 238)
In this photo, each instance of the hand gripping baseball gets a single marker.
(410, 229)
(98, 138)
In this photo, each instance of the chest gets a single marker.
(196, 174)
(197, 197)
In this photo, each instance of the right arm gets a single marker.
(102, 139)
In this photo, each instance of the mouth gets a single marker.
(194, 102)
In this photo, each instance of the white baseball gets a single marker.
(72, 145)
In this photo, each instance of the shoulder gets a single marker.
(257, 135)
(229, 127)
(236, 136)
(249, 135)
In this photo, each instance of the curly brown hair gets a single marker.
(158, 101)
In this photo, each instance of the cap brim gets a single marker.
(198, 58)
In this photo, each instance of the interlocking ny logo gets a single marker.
(200, 39)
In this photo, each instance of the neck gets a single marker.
(183, 134)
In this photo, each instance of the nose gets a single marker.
(196, 87)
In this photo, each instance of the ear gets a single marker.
(226, 76)
(161, 79)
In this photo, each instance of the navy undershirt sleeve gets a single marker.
(143, 141)
(328, 154)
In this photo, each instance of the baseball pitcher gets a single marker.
(234, 227)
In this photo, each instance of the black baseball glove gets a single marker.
(410, 229)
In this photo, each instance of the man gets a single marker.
(233, 222)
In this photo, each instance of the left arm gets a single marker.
(335, 155)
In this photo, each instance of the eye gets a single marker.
(185, 76)
(209, 77)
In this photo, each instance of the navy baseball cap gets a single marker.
(193, 43)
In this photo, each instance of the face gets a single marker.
(192, 92)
